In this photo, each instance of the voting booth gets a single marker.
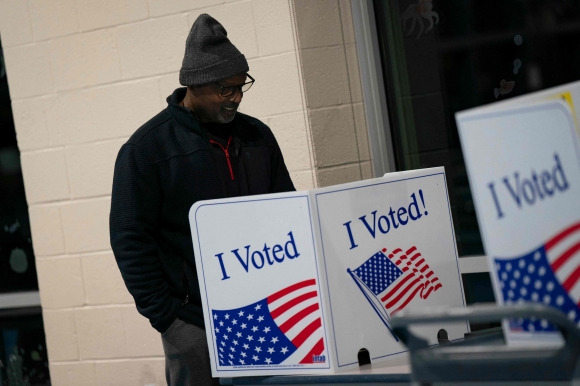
(301, 282)
(523, 162)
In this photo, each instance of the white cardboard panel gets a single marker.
(408, 217)
(523, 162)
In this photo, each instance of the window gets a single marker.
(440, 57)
(23, 357)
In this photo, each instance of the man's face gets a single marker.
(210, 106)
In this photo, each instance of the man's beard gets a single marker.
(225, 116)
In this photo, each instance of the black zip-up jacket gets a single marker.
(166, 166)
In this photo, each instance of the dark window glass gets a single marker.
(23, 356)
(17, 268)
(441, 57)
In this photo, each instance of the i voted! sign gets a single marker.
(524, 170)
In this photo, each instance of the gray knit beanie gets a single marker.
(209, 54)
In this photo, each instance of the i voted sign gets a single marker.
(524, 170)
(257, 268)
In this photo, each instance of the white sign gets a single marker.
(298, 283)
(568, 93)
(524, 170)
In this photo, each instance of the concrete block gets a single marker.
(51, 19)
(367, 170)
(30, 122)
(167, 84)
(334, 136)
(68, 117)
(274, 30)
(102, 280)
(46, 229)
(238, 20)
(86, 225)
(292, 136)
(54, 291)
(138, 372)
(362, 134)
(15, 26)
(100, 333)
(100, 113)
(115, 332)
(28, 70)
(122, 108)
(346, 21)
(61, 337)
(277, 88)
(141, 339)
(90, 168)
(355, 84)
(85, 59)
(318, 23)
(45, 175)
(78, 374)
(339, 174)
(152, 47)
(93, 14)
(163, 7)
(304, 179)
(325, 77)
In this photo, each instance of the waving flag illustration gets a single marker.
(549, 274)
(391, 282)
(285, 327)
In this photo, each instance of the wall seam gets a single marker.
(304, 97)
(350, 92)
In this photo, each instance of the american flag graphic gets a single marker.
(390, 282)
(549, 274)
(285, 327)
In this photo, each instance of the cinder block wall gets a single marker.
(332, 88)
(85, 74)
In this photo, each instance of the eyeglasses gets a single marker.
(229, 91)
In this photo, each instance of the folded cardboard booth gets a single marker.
(300, 282)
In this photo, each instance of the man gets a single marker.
(198, 148)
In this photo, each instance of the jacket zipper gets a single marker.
(227, 153)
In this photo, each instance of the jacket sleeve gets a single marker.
(133, 224)
(280, 177)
